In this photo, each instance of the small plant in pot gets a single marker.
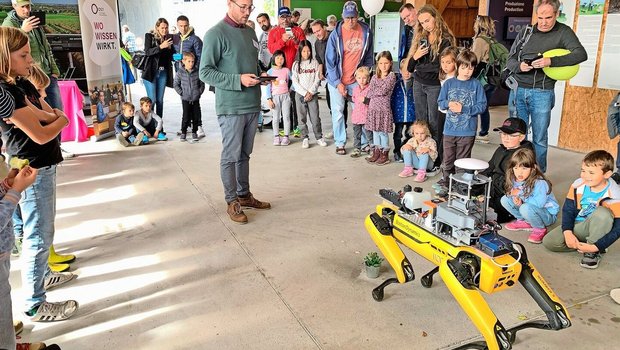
(373, 264)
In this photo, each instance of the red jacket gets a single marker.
(289, 47)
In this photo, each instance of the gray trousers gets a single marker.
(238, 131)
(310, 108)
(361, 136)
(282, 108)
(7, 335)
(591, 230)
(455, 147)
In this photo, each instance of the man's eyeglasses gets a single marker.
(244, 7)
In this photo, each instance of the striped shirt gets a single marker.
(7, 104)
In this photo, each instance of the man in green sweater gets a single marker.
(229, 63)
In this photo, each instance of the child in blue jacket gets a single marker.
(403, 112)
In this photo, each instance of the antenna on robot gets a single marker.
(471, 166)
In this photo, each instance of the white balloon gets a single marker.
(372, 7)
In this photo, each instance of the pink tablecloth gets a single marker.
(72, 101)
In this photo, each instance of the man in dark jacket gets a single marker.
(187, 41)
(512, 133)
(534, 96)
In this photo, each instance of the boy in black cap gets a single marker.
(512, 133)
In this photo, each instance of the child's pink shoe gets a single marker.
(421, 176)
(407, 172)
(537, 235)
(518, 225)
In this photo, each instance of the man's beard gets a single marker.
(265, 27)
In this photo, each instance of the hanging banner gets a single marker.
(610, 54)
(101, 40)
(387, 33)
(589, 24)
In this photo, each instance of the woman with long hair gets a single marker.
(484, 31)
(432, 36)
(31, 133)
(157, 73)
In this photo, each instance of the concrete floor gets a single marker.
(160, 265)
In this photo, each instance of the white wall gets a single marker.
(141, 15)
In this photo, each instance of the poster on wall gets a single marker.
(567, 12)
(610, 54)
(101, 38)
(588, 31)
(566, 16)
(387, 33)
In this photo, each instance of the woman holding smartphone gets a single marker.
(157, 73)
(432, 36)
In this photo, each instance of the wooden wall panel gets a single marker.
(459, 15)
(584, 117)
(584, 120)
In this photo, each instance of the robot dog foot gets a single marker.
(377, 293)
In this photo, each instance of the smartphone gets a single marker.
(40, 15)
(266, 78)
(289, 31)
(423, 42)
(529, 61)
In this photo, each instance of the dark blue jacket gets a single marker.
(124, 124)
(335, 51)
(405, 42)
(188, 84)
(403, 109)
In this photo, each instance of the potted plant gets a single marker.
(373, 264)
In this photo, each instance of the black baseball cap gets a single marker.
(512, 126)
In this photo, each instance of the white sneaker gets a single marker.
(55, 279)
(305, 143)
(201, 132)
(49, 312)
(329, 135)
(321, 142)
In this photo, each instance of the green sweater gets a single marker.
(39, 46)
(227, 53)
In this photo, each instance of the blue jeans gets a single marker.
(380, 139)
(7, 335)
(238, 131)
(337, 108)
(419, 162)
(426, 108)
(155, 91)
(53, 94)
(38, 209)
(534, 107)
(535, 216)
(485, 117)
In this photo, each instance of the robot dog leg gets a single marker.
(457, 275)
(380, 229)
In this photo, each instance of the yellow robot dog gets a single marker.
(460, 236)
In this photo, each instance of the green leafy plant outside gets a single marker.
(373, 259)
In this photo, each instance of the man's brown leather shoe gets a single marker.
(250, 201)
(236, 214)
